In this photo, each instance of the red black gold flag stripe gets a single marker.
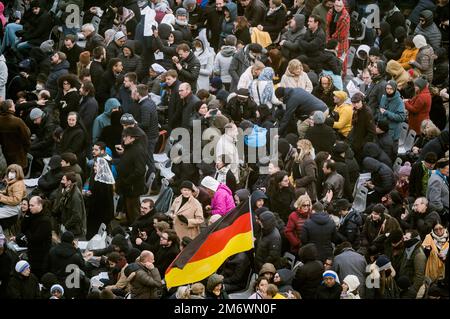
(230, 235)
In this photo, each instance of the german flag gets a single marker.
(230, 235)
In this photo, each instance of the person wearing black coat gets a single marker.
(88, 106)
(373, 150)
(439, 145)
(235, 271)
(42, 146)
(275, 19)
(36, 26)
(171, 98)
(320, 230)
(112, 134)
(63, 255)
(131, 172)
(72, 51)
(75, 139)
(338, 155)
(186, 107)
(382, 179)
(385, 37)
(313, 41)
(268, 246)
(322, 136)
(384, 140)
(23, 287)
(68, 99)
(324, 91)
(6, 266)
(350, 223)
(363, 126)
(213, 21)
(144, 222)
(399, 44)
(110, 82)
(377, 88)
(167, 251)
(324, 291)
(187, 66)
(49, 182)
(148, 121)
(298, 102)
(37, 229)
(422, 218)
(308, 276)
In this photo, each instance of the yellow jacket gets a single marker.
(344, 125)
(261, 37)
(408, 55)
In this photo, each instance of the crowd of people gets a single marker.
(85, 108)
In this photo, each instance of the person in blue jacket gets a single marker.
(392, 109)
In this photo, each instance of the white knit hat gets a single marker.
(352, 282)
(22, 265)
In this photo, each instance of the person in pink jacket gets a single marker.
(222, 201)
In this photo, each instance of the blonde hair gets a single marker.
(294, 64)
(302, 199)
(18, 170)
(258, 65)
(429, 129)
(306, 148)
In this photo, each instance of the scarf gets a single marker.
(439, 240)
(221, 174)
(266, 94)
(444, 178)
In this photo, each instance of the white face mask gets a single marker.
(12, 175)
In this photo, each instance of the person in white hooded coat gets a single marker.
(205, 54)
(350, 287)
(3, 77)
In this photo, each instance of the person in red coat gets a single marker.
(296, 221)
(419, 106)
(338, 28)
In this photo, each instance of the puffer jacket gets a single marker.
(206, 59)
(372, 150)
(382, 176)
(132, 63)
(290, 49)
(430, 30)
(424, 62)
(419, 109)
(223, 201)
(349, 227)
(222, 63)
(320, 230)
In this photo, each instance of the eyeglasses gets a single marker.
(306, 205)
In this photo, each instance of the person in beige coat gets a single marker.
(187, 212)
(15, 191)
(295, 77)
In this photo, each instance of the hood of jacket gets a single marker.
(385, 29)
(213, 281)
(256, 195)
(177, 36)
(400, 34)
(2, 57)
(362, 48)
(64, 250)
(224, 189)
(394, 68)
(428, 16)
(352, 282)
(110, 104)
(228, 50)
(321, 218)
(268, 221)
(372, 150)
(120, 241)
(286, 276)
(164, 30)
(232, 8)
(370, 164)
(307, 253)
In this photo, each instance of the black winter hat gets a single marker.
(187, 184)
(67, 237)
